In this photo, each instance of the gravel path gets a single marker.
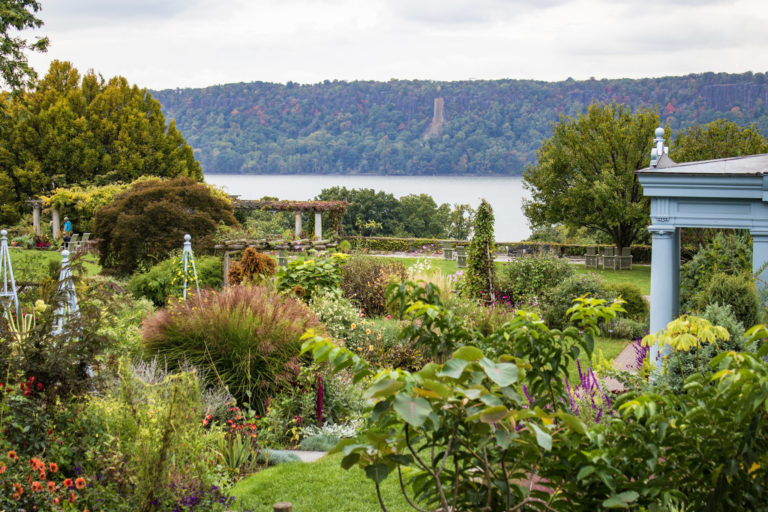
(306, 456)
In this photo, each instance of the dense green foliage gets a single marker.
(718, 139)
(529, 277)
(635, 306)
(72, 130)
(147, 222)
(560, 298)
(492, 126)
(18, 15)
(245, 338)
(729, 253)
(155, 283)
(372, 213)
(735, 290)
(480, 267)
(306, 278)
(585, 175)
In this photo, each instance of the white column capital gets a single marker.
(661, 230)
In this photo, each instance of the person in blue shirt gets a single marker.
(67, 232)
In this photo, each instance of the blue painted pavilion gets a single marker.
(722, 193)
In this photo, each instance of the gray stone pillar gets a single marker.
(227, 264)
(665, 280)
(760, 256)
(318, 225)
(56, 224)
(298, 224)
(36, 206)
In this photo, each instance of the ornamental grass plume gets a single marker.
(245, 338)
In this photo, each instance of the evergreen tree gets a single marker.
(480, 271)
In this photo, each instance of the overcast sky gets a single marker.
(195, 43)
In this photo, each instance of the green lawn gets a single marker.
(318, 486)
(32, 265)
(639, 275)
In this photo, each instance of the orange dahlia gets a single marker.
(80, 482)
(53, 467)
(67, 482)
(51, 486)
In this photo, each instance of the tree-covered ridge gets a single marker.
(491, 126)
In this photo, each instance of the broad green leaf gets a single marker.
(427, 393)
(585, 472)
(490, 414)
(438, 387)
(574, 423)
(542, 438)
(383, 387)
(453, 368)
(468, 353)
(350, 460)
(503, 374)
(413, 410)
(377, 472)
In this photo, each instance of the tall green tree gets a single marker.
(718, 139)
(480, 267)
(15, 16)
(585, 175)
(72, 130)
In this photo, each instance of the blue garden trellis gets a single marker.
(188, 259)
(66, 297)
(722, 193)
(8, 295)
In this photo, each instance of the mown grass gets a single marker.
(318, 486)
(32, 265)
(639, 275)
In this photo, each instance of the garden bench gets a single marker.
(591, 260)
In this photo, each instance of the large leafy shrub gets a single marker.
(365, 280)
(155, 283)
(532, 276)
(561, 297)
(244, 337)
(735, 290)
(635, 306)
(305, 278)
(147, 222)
(725, 253)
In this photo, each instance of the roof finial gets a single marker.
(659, 147)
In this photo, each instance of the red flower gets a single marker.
(80, 482)
(67, 482)
(53, 467)
(12, 455)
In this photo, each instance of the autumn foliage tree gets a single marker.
(144, 224)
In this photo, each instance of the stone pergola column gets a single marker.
(665, 280)
(37, 206)
(318, 225)
(56, 223)
(298, 224)
(760, 256)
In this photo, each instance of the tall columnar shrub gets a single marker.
(480, 275)
(245, 338)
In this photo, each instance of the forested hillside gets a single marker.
(490, 127)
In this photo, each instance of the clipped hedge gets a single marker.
(641, 253)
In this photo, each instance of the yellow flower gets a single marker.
(353, 326)
(370, 348)
(359, 349)
(368, 331)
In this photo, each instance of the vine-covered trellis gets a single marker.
(333, 210)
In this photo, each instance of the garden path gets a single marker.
(307, 456)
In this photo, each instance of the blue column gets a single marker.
(665, 279)
(760, 256)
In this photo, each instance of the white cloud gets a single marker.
(194, 43)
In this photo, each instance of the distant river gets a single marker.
(504, 194)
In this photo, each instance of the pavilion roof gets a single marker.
(752, 165)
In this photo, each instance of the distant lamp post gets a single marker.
(8, 295)
(66, 299)
(188, 260)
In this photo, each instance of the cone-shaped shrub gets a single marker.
(244, 337)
